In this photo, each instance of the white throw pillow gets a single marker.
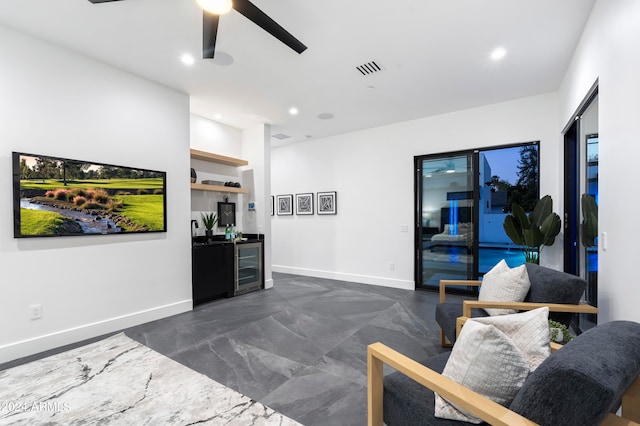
(529, 331)
(504, 284)
(494, 356)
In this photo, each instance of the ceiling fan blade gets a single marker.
(261, 19)
(209, 34)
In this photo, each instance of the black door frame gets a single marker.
(418, 188)
(475, 161)
(571, 160)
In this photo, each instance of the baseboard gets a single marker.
(362, 279)
(42, 343)
(268, 283)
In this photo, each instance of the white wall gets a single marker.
(372, 171)
(212, 136)
(58, 103)
(251, 145)
(257, 175)
(608, 51)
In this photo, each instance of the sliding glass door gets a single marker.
(446, 225)
(462, 199)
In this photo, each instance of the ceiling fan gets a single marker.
(250, 11)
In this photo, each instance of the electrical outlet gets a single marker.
(392, 266)
(36, 311)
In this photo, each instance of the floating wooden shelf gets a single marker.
(220, 159)
(217, 188)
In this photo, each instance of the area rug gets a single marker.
(118, 381)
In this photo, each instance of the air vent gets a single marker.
(280, 136)
(369, 68)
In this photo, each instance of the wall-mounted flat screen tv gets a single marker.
(55, 196)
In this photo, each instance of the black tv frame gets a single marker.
(107, 220)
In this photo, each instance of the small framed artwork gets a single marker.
(272, 202)
(304, 203)
(285, 204)
(226, 214)
(327, 203)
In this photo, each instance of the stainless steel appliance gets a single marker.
(249, 273)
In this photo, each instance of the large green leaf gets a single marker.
(513, 230)
(520, 216)
(589, 225)
(550, 228)
(540, 228)
(589, 230)
(542, 210)
(532, 237)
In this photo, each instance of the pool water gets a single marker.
(488, 257)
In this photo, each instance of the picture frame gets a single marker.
(272, 205)
(304, 204)
(327, 203)
(226, 214)
(284, 205)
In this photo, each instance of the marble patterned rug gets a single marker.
(118, 381)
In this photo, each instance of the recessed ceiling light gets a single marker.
(187, 59)
(498, 53)
(217, 7)
(325, 116)
(293, 111)
(217, 116)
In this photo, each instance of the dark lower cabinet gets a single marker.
(212, 271)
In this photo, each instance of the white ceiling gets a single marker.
(434, 54)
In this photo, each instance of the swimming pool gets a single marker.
(488, 257)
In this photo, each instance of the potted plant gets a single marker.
(209, 220)
(534, 231)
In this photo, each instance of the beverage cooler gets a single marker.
(249, 273)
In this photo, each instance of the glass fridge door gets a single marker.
(248, 267)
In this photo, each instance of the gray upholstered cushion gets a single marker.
(446, 314)
(585, 380)
(551, 286)
(407, 403)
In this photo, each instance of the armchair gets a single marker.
(560, 291)
(583, 383)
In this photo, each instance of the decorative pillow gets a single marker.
(504, 284)
(529, 331)
(494, 356)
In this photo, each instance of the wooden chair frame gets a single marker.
(468, 305)
(495, 414)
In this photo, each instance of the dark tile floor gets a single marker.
(299, 347)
